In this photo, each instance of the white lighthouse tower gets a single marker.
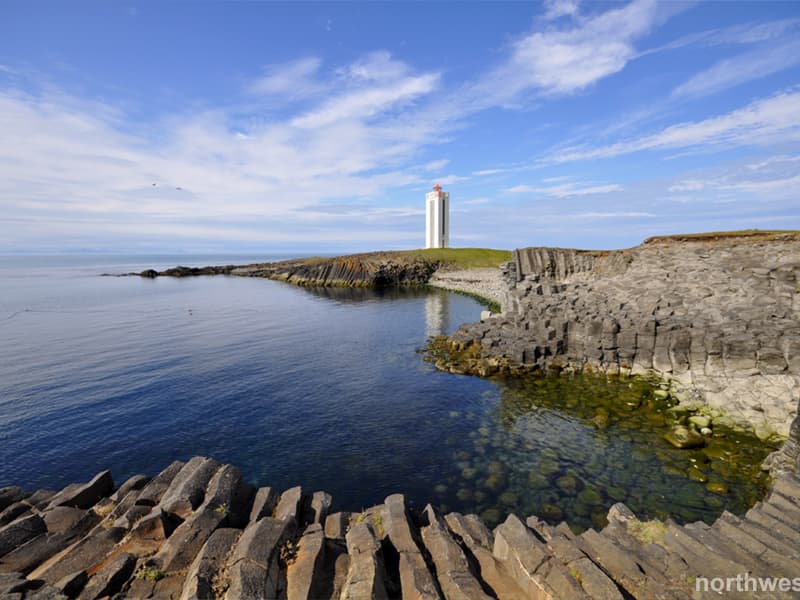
(437, 218)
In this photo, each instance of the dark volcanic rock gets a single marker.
(90, 552)
(13, 512)
(20, 531)
(110, 578)
(10, 495)
(187, 490)
(87, 494)
(385, 555)
(153, 491)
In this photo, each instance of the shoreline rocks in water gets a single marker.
(716, 317)
(198, 530)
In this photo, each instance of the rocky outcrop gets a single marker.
(719, 317)
(228, 547)
(373, 269)
(358, 270)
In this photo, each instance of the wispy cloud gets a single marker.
(450, 179)
(566, 190)
(476, 201)
(764, 121)
(364, 103)
(560, 8)
(486, 172)
(564, 60)
(435, 165)
(292, 80)
(740, 69)
(771, 179)
(614, 215)
(740, 34)
(65, 157)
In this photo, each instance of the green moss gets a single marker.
(648, 532)
(149, 574)
(377, 523)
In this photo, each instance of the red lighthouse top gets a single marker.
(437, 188)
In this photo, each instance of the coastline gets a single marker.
(484, 284)
(199, 530)
(716, 318)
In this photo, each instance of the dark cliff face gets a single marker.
(349, 271)
(365, 270)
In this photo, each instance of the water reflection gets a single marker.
(367, 294)
(437, 313)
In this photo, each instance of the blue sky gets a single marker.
(315, 127)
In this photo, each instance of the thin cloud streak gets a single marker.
(740, 69)
(762, 122)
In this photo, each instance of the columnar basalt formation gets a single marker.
(198, 530)
(718, 317)
(373, 269)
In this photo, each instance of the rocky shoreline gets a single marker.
(485, 284)
(718, 318)
(198, 530)
(374, 269)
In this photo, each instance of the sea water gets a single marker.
(323, 388)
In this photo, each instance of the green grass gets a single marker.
(741, 233)
(463, 258)
(456, 258)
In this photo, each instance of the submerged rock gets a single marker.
(683, 437)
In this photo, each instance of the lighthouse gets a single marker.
(437, 218)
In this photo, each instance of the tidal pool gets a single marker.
(568, 448)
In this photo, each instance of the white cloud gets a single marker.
(569, 59)
(743, 33)
(567, 189)
(690, 185)
(772, 179)
(294, 79)
(764, 121)
(773, 160)
(65, 163)
(450, 179)
(614, 215)
(435, 165)
(556, 179)
(476, 201)
(365, 103)
(740, 69)
(375, 66)
(485, 172)
(560, 8)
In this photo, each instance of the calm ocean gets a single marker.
(322, 388)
